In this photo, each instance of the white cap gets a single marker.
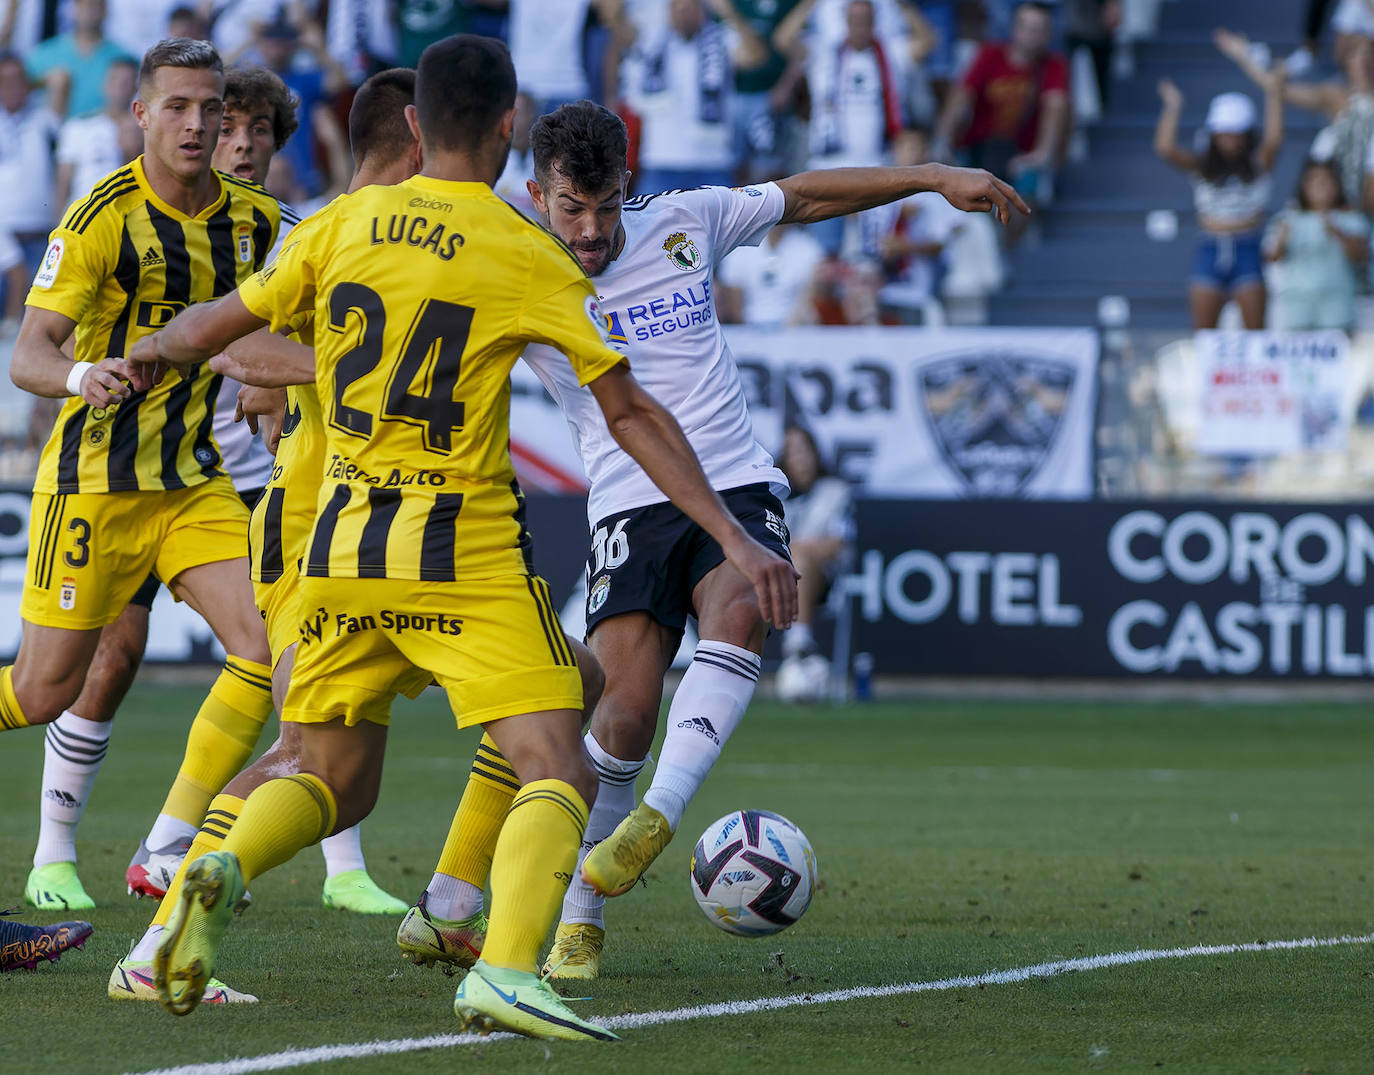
(1230, 113)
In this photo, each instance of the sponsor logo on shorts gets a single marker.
(338, 624)
(66, 596)
(682, 252)
(596, 597)
(702, 725)
(773, 521)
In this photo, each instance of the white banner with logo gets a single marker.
(1269, 393)
(901, 411)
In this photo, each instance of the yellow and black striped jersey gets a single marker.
(121, 264)
(286, 510)
(425, 293)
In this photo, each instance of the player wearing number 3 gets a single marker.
(425, 293)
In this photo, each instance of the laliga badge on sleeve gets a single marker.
(52, 261)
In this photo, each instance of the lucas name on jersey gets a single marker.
(679, 310)
(416, 231)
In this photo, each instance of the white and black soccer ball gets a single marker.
(753, 873)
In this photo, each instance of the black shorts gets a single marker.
(148, 591)
(650, 559)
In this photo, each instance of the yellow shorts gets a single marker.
(90, 552)
(280, 605)
(495, 645)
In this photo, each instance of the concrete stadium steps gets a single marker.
(1092, 241)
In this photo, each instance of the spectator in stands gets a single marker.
(766, 80)
(28, 131)
(513, 186)
(186, 21)
(422, 22)
(772, 284)
(1321, 248)
(136, 25)
(14, 280)
(855, 109)
(233, 25)
(680, 83)
(821, 528)
(546, 48)
(1010, 112)
(72, 66)
(1231, 186)
(296, 53)
(1091, 25)
(1302, 59)
(366, 37)
(1347, 103)
(91, 147)
(915, 237)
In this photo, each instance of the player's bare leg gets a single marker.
(47, 674)
(226, 728)
(707, 707)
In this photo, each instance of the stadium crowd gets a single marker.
(714, 91)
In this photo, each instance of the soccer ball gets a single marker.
(803, 679)
(753, 873)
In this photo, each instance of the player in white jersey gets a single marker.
(652, 259)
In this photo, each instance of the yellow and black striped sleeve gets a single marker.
(84, 251)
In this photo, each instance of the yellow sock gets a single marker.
(11, 716)
(278, 819)
(223, 812)
(222, 737)
(530, 871)
(481, 811)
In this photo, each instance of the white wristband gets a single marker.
(76, 375)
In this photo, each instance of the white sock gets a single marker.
(343, 852)
(167, 832)
(796, 639)
(452, 899)
(73, 750)
(706, 710)
(146, 947)
(615, 798)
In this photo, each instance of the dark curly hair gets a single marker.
(583, 142)
(250, 88)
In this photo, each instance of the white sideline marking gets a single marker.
(324, 1053)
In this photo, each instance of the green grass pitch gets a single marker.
(954, 838)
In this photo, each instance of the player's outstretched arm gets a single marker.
(830, 192)
(266, 360)
(40, 366)
(652, 437)
(195, 335)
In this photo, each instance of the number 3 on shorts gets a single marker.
(610, 550)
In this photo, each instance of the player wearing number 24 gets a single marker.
(419, 512)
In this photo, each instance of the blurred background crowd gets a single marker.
(1247, 208)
